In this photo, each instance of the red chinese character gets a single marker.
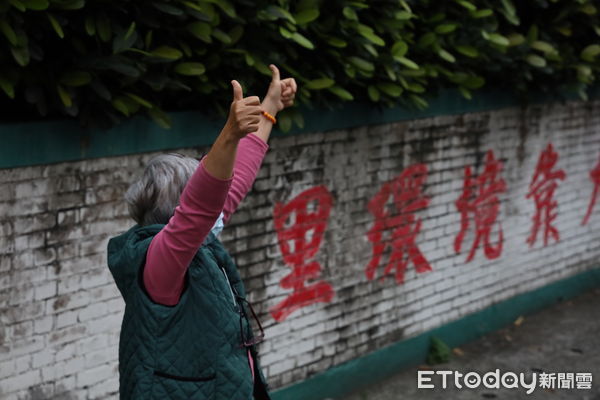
(542, 189)
(479, 199)
(306, 222)
(595, 177)
(406, 190)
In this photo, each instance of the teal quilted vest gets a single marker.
(192, 350)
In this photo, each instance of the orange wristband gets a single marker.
(270, 117)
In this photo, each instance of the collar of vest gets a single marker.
(126, 253)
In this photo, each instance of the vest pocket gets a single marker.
(175, 387)
(185, 378)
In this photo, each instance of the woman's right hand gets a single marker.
(244, 113)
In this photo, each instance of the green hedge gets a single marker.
(105, 60)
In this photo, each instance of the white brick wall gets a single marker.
(60, 312)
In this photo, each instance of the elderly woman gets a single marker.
(186, 330)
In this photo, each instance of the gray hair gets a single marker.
(153, 197)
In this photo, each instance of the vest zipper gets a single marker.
(229, 286)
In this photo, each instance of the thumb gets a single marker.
(275, 72)
(238, 94)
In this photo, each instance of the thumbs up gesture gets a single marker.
(244, 113)
(281, 92)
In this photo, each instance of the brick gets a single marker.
(94, 375)
(43, 325)
(21, 381)
(44, 256)
(34, 188)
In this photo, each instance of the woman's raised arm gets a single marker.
(253, 147)
(201, 202)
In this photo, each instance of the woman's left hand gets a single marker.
(281, 93)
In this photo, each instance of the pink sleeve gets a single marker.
(250, 154)
(172, 249)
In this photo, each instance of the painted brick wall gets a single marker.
(60, 312)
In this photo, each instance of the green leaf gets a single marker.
(7, 87)
(474, 82)
(121, 106)
(64, 96)
(160, 117)
(141, 101)
(285, 122)
(302, 41)
(407, 62)
(124, 40)
(204, 11)
(509, 6)
(361, 63)
(37, 5)
(167, 52)
(56, 26)
(298, 119)
(403, 15)
(21, 55)
(446, 55)
(306, 16)
(544, 47)
(262, 68)
(532, 33)
(130, 30)
(69, 4)
(399, 49)
(18, 5)
(496, 38)
(322, 83)
(280, 13)
(90, 26)
(467, 50)
(190, 68)
(564, 30)
(8, 31)
(76, 78)
(588, 9)
(168, 8)
(221, 36)
(584, 73)
(468, 5)
(367, 32)
(390, 72)
(391, 89)
(535, 60)
(415, 87)
(427, 39)
(201, 30)
(444, 29)
(418, 101)
(516, 39)
(236, 33)
(349, 13)
(589, 53)
(374, 94)
(509, 12)
(481, 13)
(336, 42)
(225, 6)
(341, 93)
(465, 92)
(373, 38)
(103, 28)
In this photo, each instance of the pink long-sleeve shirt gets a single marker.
(200, 204)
